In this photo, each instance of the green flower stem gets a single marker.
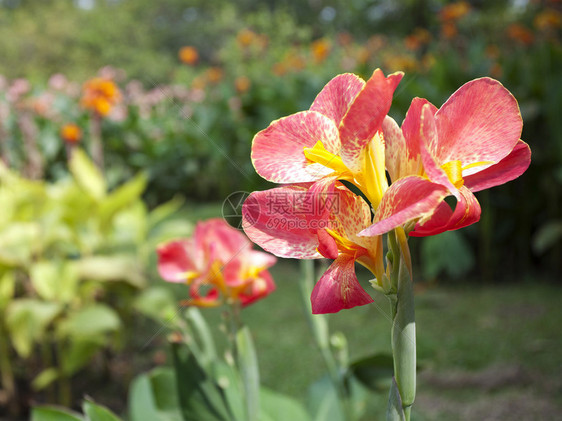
(8, 382)
(403, 333)
(319, 327)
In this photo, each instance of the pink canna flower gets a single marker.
(337, 138)
(288, 222)
(471, 143)
(219, 264)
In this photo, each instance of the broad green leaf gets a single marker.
(228, 379)
(88, 322)
(45, 378)
(323, 402)
(18, 242)
(153, 396)
(164, 211)
(394, 411)
(80, 352)
(52, 413)
(197, 321)
(7, 286)
(278, 407)
(27, 320)
(157, 303)
(95, 412)
(54, 280)
(87, 175)
(248, 363)
(122, 197)
(375, 372)
(201, 399)
(125, 268)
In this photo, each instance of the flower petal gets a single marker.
(336, 97)
(467, 212)
(174, 261)
(409, 198)
(428, 139)
(259, 288)
(509, 168)
(338, 288)
(480, 122)
(278, 151)
(365, 116)
(219, 240)
(278, 221)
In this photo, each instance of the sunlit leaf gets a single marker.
(54, 280)
(96, 319)
(87, 175)
(52, 413)
(95, 412)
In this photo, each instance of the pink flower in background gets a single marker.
(471, 143)
(219, 265)
(289, 222)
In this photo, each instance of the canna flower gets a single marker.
(188, 55)
(469, 144)
(100, 95)
(288, 222)
(219, 265)
(338, 138)
(71, 133)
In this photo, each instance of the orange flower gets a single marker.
(520, 34)
(548, 19)
(417, 39)
(449, 30)
(295, 61)
(455, 11)
(100, 95)
(320, 50)
(246, 37)
(71, 133)
(242, 84)
(214, 74)
(188, 55)
(279, 69)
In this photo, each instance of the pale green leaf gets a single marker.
(7, 287)
(18, 242)
(87, 175)
(45, 378)
(88, 322)
(54, 280)
(95, 412)
(27, 320)
(122, 197)
(52, 413)
(278, 407)
(123, 268)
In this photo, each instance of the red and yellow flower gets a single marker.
(71, 133)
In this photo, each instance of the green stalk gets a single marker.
(403, 335)
(319, 326)
(8, 382)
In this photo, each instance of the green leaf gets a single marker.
(193, 315)
(201, 399)
(90, 321)
(80, 352)
(323, 401)
(278, 407)
(248, 363)
(164, 211)
(7, 287)
(394, 411)
(153, 396)
(448, 252)
(125, 268)
(157, 303)
(228, 379)
(87, 175)
(45, 378)
(547, 236)
(54, 280)
(18, 242)
(95, 412)
(27, 320)
(122, 197)
(52, 413)
(375, 372)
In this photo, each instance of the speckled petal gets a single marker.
(174, 261)
(479, 122)
(409, 198)
(509, 168)
(365, 116)
(219, 240)
(467, 212)
(277, 152)
(336, 97)
(338, 288)
(278, 221)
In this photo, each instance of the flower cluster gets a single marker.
(218, 264)
(100, 95)
(347, 139)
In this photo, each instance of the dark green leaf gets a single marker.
(375, 372)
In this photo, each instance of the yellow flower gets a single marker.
(100, 95)
(71, 133)
(188, 55)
